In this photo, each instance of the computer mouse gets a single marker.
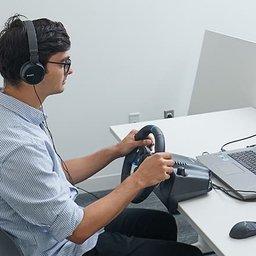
(243, 229)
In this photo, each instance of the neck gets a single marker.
(28, 94)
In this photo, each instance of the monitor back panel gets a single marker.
(226, 74)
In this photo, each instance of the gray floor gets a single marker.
(186, 233)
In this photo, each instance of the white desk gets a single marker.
(211, 215)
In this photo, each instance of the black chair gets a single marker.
(7, 245)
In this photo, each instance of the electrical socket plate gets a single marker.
(134, 117)
(168, 113)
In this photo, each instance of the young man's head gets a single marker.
(52, 42)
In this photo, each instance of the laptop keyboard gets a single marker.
(246, 159)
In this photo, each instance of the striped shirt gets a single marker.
(36, 201)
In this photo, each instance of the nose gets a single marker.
(70, 71)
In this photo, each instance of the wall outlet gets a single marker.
(134, 117)
(168, 113)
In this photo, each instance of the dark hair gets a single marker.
(52, 38)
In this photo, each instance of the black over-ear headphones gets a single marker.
(32, 72)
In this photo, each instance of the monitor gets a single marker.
(226, 74)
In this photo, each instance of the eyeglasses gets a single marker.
(65, 64)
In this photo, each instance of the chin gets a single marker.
(58, 92)
(62, 88)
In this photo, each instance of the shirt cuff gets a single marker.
(67, 221)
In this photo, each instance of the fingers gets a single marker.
(169, 167)
(166, 162)
(156, 168)
(149, 141)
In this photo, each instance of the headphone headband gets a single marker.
(32, 72)
(32, 41)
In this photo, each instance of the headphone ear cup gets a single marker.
(32, 73)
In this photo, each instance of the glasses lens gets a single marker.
(67, 65)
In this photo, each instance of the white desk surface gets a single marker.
(214, 214)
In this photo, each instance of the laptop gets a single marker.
(235, 168)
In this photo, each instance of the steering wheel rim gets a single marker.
(137, 156)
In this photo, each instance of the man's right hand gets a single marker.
(154, 169)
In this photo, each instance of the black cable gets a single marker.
(228, 191)
(90, 193)
(64, 166)
(245, 138)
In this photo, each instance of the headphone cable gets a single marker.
(64, 166)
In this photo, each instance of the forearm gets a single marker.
(152, 170)
(82, 168)
(104, 210)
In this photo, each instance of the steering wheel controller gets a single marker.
(189, 179)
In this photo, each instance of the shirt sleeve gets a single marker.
(33, 184)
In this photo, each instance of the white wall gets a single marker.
(128, 56)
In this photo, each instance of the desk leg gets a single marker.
(202, 245)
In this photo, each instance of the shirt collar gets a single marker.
(22, 109)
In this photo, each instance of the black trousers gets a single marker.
(142, 232)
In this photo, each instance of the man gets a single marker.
(37, 190)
